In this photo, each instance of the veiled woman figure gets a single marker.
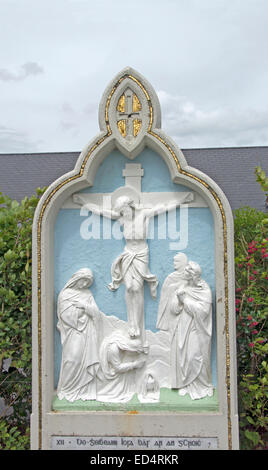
(78, 319)
(120, 357)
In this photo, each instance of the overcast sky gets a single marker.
(206, 59)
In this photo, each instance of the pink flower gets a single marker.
(251, 278)
(251, 345)
(252, 248)
(240, 265)
(255, 332)
(237, 301)
(237, 309)
(249, 317)
(250, 299)
(238, 289)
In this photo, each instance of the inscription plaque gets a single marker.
(132, 443)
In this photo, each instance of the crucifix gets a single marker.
(134, 210)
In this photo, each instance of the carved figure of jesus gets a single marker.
(132, 266)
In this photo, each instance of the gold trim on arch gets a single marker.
(79, 175)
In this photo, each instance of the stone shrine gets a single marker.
(133, 293)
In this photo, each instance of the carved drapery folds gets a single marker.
(113, 367)
(184, 309)
(129, 114)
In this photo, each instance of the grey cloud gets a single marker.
(67, 108)
(13, 141)
(67, 125)
(212, 54)
(191, 126)
(70, 118)
(28, 69)
(75, 118)
(91, 108)
(32, 68)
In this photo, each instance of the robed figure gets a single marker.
(78, 317)
(192, 305)
(120, 357)
(165, 319)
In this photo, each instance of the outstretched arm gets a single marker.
(81, 200)
(161, 208)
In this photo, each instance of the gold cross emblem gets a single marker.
(128, 114)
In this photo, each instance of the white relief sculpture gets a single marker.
(120, 357)
(165, 320)
(81, 358)
(150, 392)
(192, 305)
(78, 323)
(132, 266)
(113, 372)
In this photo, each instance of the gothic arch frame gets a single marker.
(83, 175)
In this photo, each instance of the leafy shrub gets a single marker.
(15, 319)
(251, 246)
(262, 179)
(251, 254)
(11, 437)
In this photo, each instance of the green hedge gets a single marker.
(15, 319)
(251, 254)
(15, 322)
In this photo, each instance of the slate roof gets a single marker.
(231, 168)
